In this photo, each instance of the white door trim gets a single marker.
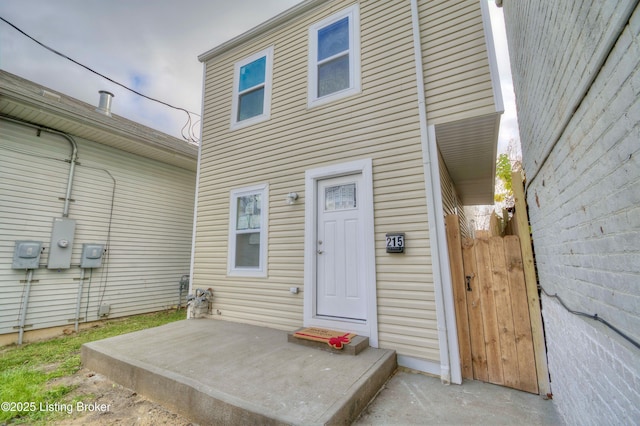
(369, 327)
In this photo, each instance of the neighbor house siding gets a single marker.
(149, 238)
(381, 123)
(455, 59)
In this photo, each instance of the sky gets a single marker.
(153, 47)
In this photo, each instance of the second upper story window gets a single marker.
(252, 89)
(334, 57)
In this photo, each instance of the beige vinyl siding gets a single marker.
(380, 123)
(150, 238)
(450, 202)
(456, 67)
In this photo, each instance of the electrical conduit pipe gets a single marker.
(73, 160)
(65, 213)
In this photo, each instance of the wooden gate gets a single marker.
(496, 302)
(492, 311)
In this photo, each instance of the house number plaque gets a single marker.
(395, 243)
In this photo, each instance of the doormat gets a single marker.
(335, 339)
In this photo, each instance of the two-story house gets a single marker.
(336, 136)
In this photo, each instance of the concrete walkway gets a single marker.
(218, 372)
(416, 399)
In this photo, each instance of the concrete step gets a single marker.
(357, 344)
(221, 372)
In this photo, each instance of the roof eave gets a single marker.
(95, 122)
(262, 28)
(142, 140)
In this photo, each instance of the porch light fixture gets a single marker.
(292, 197)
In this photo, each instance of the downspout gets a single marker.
(73, 160)
(447, 337)
(195, 201)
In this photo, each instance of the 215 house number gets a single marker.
(395, 243)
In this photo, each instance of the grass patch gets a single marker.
(26, 371)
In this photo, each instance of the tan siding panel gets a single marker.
(457, 74)
(451, 202)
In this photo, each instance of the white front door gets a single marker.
(340, 255)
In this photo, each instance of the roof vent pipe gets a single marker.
(105, 103)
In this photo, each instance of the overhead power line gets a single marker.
(189, 125)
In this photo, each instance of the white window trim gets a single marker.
(261, 271)
(235, 104)
(353, 13)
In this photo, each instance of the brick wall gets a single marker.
(608, 371)
(577, 85)
(556, 48)
(584, 205)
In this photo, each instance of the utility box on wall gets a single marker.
(92, 255)
(61, 245)
(26, 255)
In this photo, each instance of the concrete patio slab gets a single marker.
(220, 372)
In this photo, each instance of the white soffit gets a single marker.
(468, 148)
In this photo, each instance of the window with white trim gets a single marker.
(334, 57)
(248, 231)
(252, 89)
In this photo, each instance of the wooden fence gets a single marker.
(498, 315)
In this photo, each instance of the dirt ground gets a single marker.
(116, 405)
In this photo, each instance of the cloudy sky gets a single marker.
(152, 47)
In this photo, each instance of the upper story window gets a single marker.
(252, 89)
(334, 57)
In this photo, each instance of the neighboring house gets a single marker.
(576, 73)
(326, 128)
(71, 173)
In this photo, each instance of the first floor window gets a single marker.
(248, 231)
